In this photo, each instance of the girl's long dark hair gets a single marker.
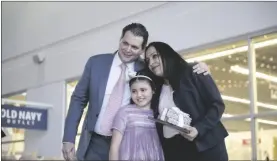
(174, 66)
(146, 72)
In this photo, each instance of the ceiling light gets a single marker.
(267, 122)
(264, 121)
(227, 115)
(245, 71)
(246, 101)
(218, 54)
(232, 51)
(258, 120)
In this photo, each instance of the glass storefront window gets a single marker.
(267, 137)
(13, 143)
(232, 85)
(238, 143)
(230, 70)
(266, 72)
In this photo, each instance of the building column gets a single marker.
(48, 143)
(253, 98)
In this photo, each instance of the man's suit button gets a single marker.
(97, 115)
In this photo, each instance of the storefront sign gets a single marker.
(273, 91)
(24, 117)
(248, 141)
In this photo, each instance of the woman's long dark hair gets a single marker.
(173, 64)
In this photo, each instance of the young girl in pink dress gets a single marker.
(134, 135)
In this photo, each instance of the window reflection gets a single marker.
(232, 85)
(238, 142)
(266, 72)
(229, 69)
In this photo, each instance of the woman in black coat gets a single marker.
(194, 94)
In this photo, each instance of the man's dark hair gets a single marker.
(173, 64)
(138, 30)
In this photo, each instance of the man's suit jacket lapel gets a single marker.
(139, 65)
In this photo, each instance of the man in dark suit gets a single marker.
(100, 81)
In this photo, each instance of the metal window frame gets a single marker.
(254, 115)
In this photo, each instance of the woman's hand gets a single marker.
(191, 135)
